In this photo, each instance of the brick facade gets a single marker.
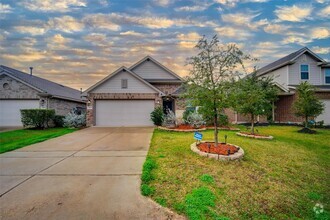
(63, 107)
(13, 89)
(166, 88)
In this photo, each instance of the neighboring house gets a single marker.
(128, 96)
(288, 72)
(19, 90)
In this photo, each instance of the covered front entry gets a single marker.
(10, 114)
(127, 113)
(168, 104)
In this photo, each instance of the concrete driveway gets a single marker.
(90, 174)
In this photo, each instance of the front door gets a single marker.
(168, 104)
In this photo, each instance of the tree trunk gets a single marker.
(216, 129)
(252, 123)
(306, 121)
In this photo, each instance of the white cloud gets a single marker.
(232, 3)
(5, 9)
(66, 24)
(320, 33)
(276, 28)
(293, 13)
(321, 50)
(31, 30)
(53, 5)
(101, 21)
(325, 12)
(233, 32)
(198, 6)
(131, 33)
(244, 19)
(189, 40)
(162, 3)
(98, 39)
(57, 42)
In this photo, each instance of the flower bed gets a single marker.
(257, 136)
(222, 152)
(183, 128)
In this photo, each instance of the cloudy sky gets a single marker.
(78, 42)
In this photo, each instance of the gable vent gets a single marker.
(304, 58)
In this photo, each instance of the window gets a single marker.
(124, 83)
(304, 71)
(327, 75)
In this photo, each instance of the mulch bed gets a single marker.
(307, 131)
(222, 148)
(187, 127)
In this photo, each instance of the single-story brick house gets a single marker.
(19, 90)
(128, 96)
(288, 72)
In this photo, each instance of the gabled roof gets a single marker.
(289, 59)
(157, 63)
(43, 85)
(123, 68)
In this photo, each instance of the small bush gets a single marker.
(58, 121)
(169, 119)
(147, 190)
(195, 120)
(157, 116)
(148, 166)
(206, 178)
(223, 120)
(73, 120)
(36, 118)
(186, 113)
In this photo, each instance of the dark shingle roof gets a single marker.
(283, 61)
(45, 86)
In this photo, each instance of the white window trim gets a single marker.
(122, 82)
(325, 76)
(308, 72)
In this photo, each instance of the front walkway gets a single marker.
(90, 174)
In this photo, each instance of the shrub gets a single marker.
(186, 113)
(148, 166)
(36, 118)
(58, 120)
(195, 120)
(223, 120)
(73, 120)
(157, 116)
(169, 119)
(147, 190)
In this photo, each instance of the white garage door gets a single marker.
(326, 114)
(10, 114)
(127, 113)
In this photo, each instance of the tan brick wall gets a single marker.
(63, 107)
(116, 96)
(166, 88)
(16, 89)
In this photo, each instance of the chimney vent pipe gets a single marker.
(31, 68)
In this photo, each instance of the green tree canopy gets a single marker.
(208, 83)
(254, 96)
(307, 104)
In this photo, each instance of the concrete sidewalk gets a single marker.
(90, 174)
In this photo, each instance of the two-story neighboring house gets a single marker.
(128, 96)
(288, 72)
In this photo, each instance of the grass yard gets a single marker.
(12, 140)
(282, 178)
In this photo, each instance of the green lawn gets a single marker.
(282, 178)
(12, 140)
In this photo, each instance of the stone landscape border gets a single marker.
(254, 136)
(180, 130)
(236, 156)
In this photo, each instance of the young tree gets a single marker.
(213, 68)
(307, 104)
(254, 96)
